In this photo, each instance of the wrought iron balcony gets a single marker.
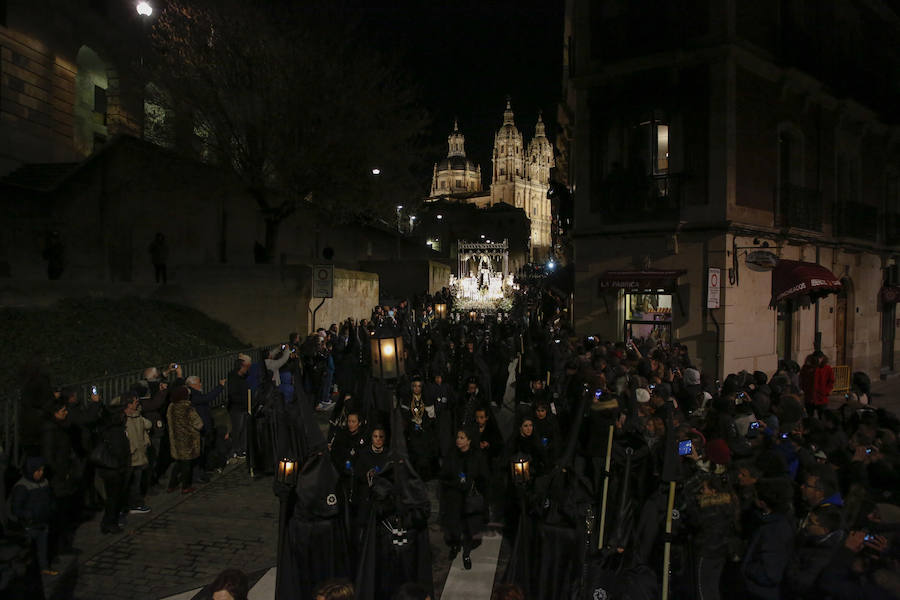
(799, 207)
(854, 219)
(643, 199)
(892, 229)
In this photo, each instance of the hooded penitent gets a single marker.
(316, 546)
(395, 548)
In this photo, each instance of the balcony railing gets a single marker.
(629, 200)
(799, 207)
(854, 219)
(892, 229)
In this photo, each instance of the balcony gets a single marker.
(636, 200)
(892, 229)
(854, 219)
(798, 207)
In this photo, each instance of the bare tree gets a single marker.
(281, 93)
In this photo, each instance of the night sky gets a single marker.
(467, 56)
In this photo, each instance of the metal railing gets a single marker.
(799, 207)
(210, 369)
(651, 198)
(855, 219)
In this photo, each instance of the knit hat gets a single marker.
(691, 377)
(642, 396)
(718, 452)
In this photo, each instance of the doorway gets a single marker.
(785, 331)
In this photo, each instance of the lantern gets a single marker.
(387, 354)
(440, 309)
(287, 471)
(521, 469)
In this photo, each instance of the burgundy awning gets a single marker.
(794, 279)
(889, 294)
(638, 281)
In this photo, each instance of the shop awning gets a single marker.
(889, 294)
(793, 279)
(638, 281)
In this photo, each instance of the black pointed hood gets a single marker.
(318, 494)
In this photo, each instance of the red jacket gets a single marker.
(824, 384)
(808, 383)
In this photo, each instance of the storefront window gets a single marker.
(648, 316)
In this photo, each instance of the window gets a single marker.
(459, 183)
(648, 316)
(502, 171)
(650, 143)
(100, 104)
(443, 185)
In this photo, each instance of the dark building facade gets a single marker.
(699, 133)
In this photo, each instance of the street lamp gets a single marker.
(376, 171)
(144, 9)
(387, 354)
(399, 208)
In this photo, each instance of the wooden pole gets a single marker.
(248, 434)
(603, 502)
(667, 549)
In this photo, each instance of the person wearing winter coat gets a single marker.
(137, 429)
(464, 477)
(64, 472)
(772, 544)
(824, 383)
(184, 438)
(33, 506)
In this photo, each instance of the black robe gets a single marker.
(395, 547)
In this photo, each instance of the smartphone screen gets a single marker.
(684, 447)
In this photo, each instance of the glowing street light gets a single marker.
(144, 9)
(551, 265)
(376, 171)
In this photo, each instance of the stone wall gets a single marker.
(261, 303)
(355, 294)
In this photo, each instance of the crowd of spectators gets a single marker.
(782, 490)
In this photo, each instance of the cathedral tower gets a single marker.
(521, 177)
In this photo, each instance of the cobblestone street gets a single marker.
(184, 543)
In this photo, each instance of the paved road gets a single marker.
(185, 542)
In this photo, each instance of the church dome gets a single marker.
(456, 163)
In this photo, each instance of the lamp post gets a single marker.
(285, 480)
(144, 9)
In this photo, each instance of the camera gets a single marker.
(869, 537)
(869, 450)
(93, 390)
(652, 386)
(754, 425)
(598, 392)
(784, 436)
(685, 447)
